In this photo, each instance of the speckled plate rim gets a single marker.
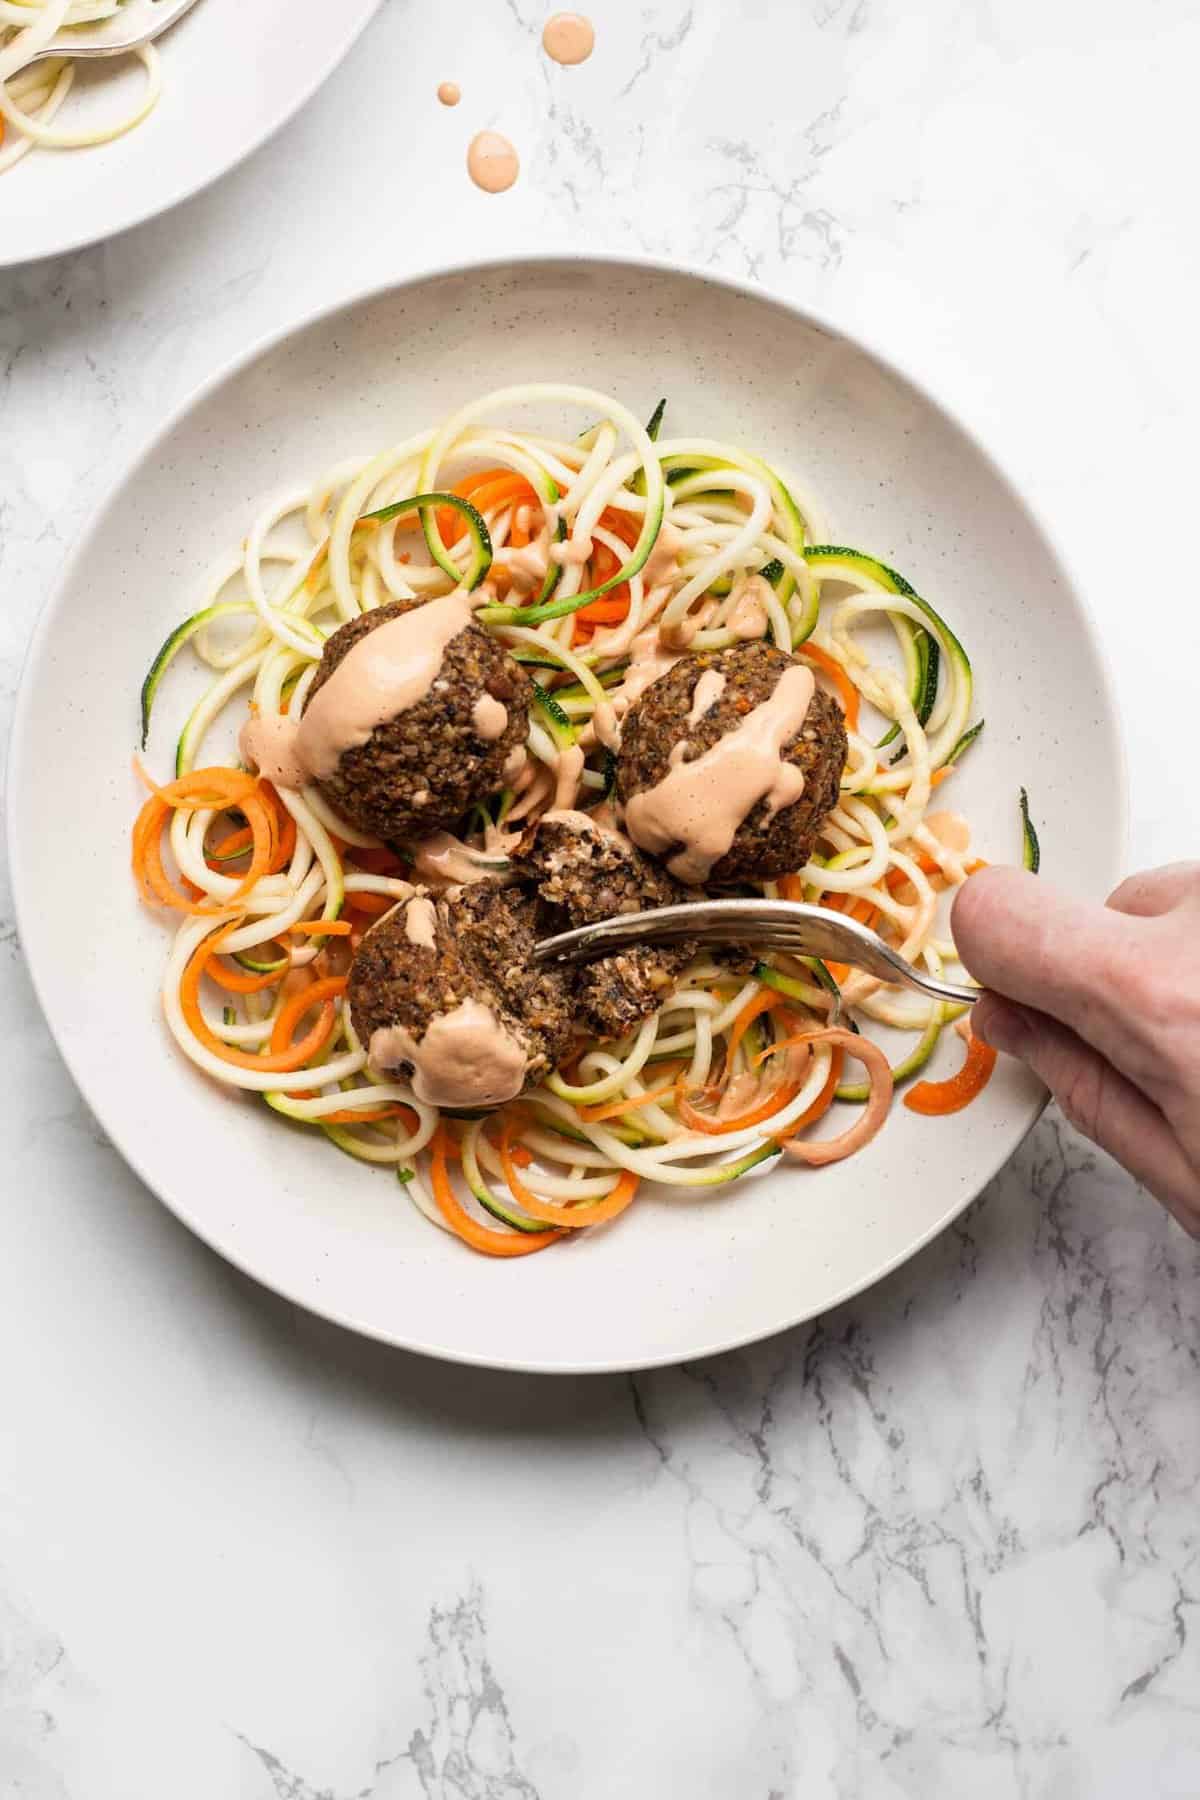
(273, 121)
(988, 1167)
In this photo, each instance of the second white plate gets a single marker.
(234, 71)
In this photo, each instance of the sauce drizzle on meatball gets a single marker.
(466, 1057)
(384, 674)
(697, 807)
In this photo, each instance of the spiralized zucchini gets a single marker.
(31, 93)
(643, 532)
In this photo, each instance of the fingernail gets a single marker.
(1000, 1025)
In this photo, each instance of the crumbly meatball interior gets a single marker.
(585, 872)
(483, 950)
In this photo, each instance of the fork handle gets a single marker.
(105, 39)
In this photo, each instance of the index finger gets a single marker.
(1021, 938)
(1153, 892)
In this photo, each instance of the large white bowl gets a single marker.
(234, 71)
(677, 1277)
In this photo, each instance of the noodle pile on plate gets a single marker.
(275, 890)
(31, 93)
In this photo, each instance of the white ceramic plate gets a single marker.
(676, 1277)
(234, 71)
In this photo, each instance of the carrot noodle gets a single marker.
(479, 1237)
(269, 892)
(936, 1098)
(843, 686)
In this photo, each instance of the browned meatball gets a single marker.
(766, 844)
(422, 770)
(590, 871)
(482, 950)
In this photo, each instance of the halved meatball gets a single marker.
(766, 844)
(586, 871)
(422, 770)
(475, 943)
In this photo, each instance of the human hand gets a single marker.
(1103, 1003)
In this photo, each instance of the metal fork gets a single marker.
(138, 22)
(753, 925)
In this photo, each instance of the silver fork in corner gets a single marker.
(138, 22)
(787, 925)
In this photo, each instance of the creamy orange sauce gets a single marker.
(386, 672)
(695, 810)
(489, 718)
(569, 776)
(515, 765)
(677, 634)
(605, 726)
(568, 38)
(444, 859)
(739, 1096)
(268, 743)
(449, 93)
(574, 550)
(420, 922)
(748, 614)
(705, 694)
(662, 564)
(535, 791)
(492, 163)
(817, 1155)
(527, 566)
(647, 662)
(951, 829)
(466, 1058)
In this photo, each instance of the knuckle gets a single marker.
(1185, 1206)
(1127, 894)
(1080, 1094)
(1153, 990)
(968, 919)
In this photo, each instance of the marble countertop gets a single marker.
(942, 1542)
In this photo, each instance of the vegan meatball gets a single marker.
(672, 720)
(445, 990)
(587, 870)
(420, 771)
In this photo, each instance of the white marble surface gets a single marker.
(943, 1542)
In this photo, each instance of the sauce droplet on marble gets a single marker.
(568, 38)
(492, 163)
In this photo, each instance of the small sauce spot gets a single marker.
(568, 38)
(950, 829)
(492, 163)
(449, 93)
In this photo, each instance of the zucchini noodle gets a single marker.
(31, 93)
(650, 551)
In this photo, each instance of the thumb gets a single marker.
(1096, 1100)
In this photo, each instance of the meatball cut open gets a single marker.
(444, 992)
(587, 870)
(743, 712)
(423, 768)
